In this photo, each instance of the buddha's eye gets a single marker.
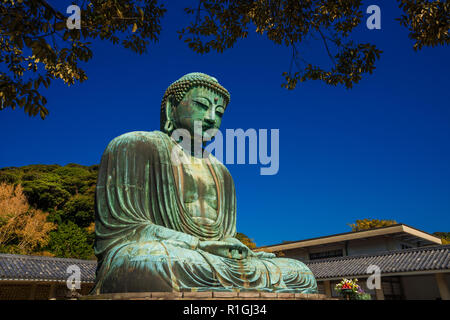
(201, 104)
(220, 110)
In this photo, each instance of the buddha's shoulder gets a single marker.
(139, 138)
(218, 165)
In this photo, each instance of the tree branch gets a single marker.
(58, 14)
(326, 46)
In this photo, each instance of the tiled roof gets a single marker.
(21, 267)
(410, 260)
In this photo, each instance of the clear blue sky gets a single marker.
(380, 150)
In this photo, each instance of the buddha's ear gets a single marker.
(169, 108)
(169, 126)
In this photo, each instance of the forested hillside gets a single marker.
(66, 193)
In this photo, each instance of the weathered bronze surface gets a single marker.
(169, 226)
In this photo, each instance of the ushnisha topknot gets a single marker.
(178, 89)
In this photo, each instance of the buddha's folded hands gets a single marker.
(226, 249)
(152, 232)
(263, 255)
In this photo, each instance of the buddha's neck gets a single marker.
(195, 149)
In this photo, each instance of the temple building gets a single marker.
(412, 264)
(42, 278)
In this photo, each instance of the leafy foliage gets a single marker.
(246, 240)
(445, 236)
(23, 229)
(427, 21)
(67, 194)
(37, 47)
(366, 224)
(80, 210)
(71, 241)
(288, 23)
(219, 25)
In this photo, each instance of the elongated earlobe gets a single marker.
(169, 126)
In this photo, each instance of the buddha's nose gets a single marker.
(210, 118)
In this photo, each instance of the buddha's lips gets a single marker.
(206, 128)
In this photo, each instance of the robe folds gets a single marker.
(147, 241)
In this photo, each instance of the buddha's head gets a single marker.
(195, 97)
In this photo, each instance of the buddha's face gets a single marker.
(203, 105)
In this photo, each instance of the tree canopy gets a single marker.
(71, 241)
(366, 224)
(36, 46)
(66, 195)
(23, 229)
(445, 236)
(246, 240)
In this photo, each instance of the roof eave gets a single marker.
(398, 228)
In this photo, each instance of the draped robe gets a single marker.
(147, 241)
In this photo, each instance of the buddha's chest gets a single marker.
(199, 191)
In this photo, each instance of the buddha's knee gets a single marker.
(289, 266)
(297, 275)
(136, 267)
(152, 266)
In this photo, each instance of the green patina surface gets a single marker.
(170, 226)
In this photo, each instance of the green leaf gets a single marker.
(60, 25)
(142, 13)
(22, 102)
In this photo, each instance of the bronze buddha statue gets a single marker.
(164, 225)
